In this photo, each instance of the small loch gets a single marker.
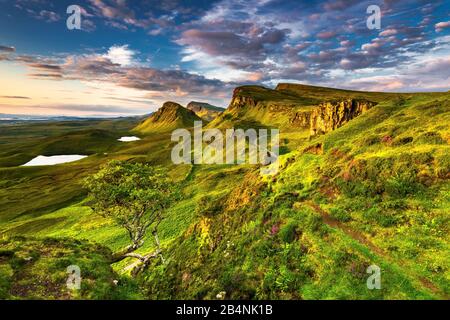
(53, 160)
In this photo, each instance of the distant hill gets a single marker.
(23, 117)
(169, 117)
(204, 110)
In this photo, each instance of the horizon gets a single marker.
(131, 57)
(105, 116)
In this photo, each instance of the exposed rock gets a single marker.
(329, 116)
(301, 119)
(240, 101)
(204, 110)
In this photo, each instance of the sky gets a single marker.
(132, 55)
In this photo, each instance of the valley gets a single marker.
(364, 180)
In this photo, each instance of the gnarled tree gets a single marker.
(135, 197)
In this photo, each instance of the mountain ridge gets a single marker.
(170, 116)
(204, 110)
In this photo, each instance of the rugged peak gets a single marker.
(169, 117)
(169, 111)
(204, 110)
(198, 106)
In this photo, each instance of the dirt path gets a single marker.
(358, 236)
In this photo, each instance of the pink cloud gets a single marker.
(326, 35)
(388, 32)
(441, 26)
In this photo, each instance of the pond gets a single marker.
(129, 139)
(52, 160)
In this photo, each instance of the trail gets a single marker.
(362, 239)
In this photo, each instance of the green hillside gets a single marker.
(169, 117)
(374, 191)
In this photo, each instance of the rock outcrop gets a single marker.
(292, 106)
(301, 119)
(329, 116)
(204, 110)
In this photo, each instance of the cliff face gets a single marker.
(283, 108)
(301, 119)
(240, 101)
(204, 110)
(329, 116)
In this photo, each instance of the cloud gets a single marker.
(120, 55)
(45, 67)
(52, 76)
(14, 97)
(7, 49)
(326, 35)
(225, 43)
(91, 109)
(48, 16)
(441, 26)
(92, 66)
(388, 32)
(41, 68)
(333, 5)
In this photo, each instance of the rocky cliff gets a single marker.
(255, 106)
(301, 119)
(292, 107)
(204, 110)
(329, 116)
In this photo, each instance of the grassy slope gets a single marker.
(36, 269)
(169, 117)
(309, 233)
(375, 196)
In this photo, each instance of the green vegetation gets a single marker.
(134, 196)
(375, 191)
(37, 269)
(169, 117)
